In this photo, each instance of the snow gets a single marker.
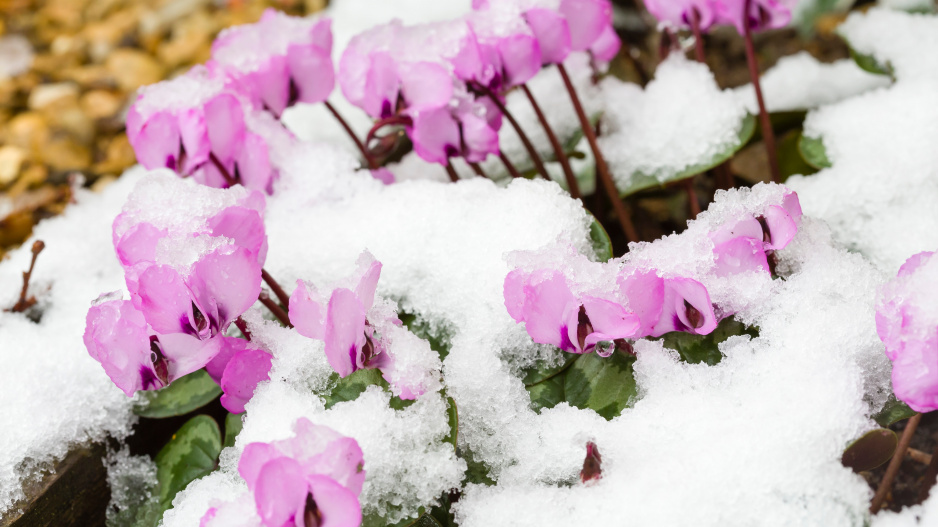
(195, 87)
(679, 120)
(54, 394)
(801, 82)
(878, 195)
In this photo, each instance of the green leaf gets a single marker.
(600, 241)
(350, 387)
(869, 63)
(425, 519)
(233, 426)
(790, 159)
(548, 393)
(814, 153)
(184, 395)
(640, 181)
(452, 415)
(605, 385)
(810, 12)
(541, 372)
(893, 411)
(190, 454)
(695, 349)
(871, 450)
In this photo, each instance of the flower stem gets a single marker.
(692, 197)
(894, 464)
(698, 37)
(275, 309)
(558, 148)
(768, 135)
(25, 303)
(231, 180)
(608, 184)
(243, 327)
(532, 152)
(282, 296)
(348, 129)
(478, 170)
(453, 176)
(509, 166)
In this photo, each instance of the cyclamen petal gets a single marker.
(547, 309)
(740, 255)
(163, 297)
(279, 491)
(344, 332)
(606, 47)
(587, 20)
(680, 13)
(610, 321)
(337, 505)
(307, 311)
(552, 33)
(116, 336)
(241, 376)
(645, 293)
(224, 284)
(686, 307)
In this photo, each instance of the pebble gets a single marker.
(100, 104)
(11, 160)
(132, 69)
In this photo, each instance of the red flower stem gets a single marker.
(692, 197)
(453, 176)
(221, 168)
(282, 295)
(242, 325)
(23, 303)
(532, 152)
(508, 165)
(768, 135)
(698, 37)
(558, 148)
(478, 170)
(894, 464)
(275, 309)
(348, 129)
(608, 184)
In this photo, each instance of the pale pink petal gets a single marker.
(337, 505)
(116, 336)
(341, 459)
(194, 136)
(748, 227)
(186, 353)
(686, 307)
(157, 144)
(228, 348)
(435, 134)
(740, 255)
(781, 227)
(242, 374)
(312, 72)
(253, 164)
(548, 298)
(610, 320)
(552, 33)
(225, 283)
(253, 459)
(344, 331)
(587, 19)
(369, 270)
(645, 293)
(165, 301)
(307, 311)
(224, 121)
(244, 226)
(520, 58)
(607, 46)
(479, 138)
(280, 490)
(514, 294)
(425, 85)
(138, 244)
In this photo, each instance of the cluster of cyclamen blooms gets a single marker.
(311, 480)
(579, 317)
(907, 323)
(180, 308)
(756, 14)
(446, 81)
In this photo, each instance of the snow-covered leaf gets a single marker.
(814, 153)
(190, 454)
(179, 398)
(605, 385)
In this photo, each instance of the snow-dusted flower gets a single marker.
(667, 304)
(134, 355)
(195, 126)
(508, 48)
(554, 315)
(278, 61)
(355, 328)
(907, 323)
(311, 479)
(743, 245)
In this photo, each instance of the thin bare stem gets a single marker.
(532, 152)
(478, 170)
(282, 295)
(453, 176)
(351, 133)
(894, 464)
(25, 303)
(243, 327)
(572, 184)
(919, 456)
(275, 309)
(698, 37)
(692, 197)
(768, 135)
(509, 166)
(608, 184)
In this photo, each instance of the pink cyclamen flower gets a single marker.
(762, 14)
(508, 47)
(681, 13)
(195, 126)
(907, 324)
(554, 315)
(311, 479)
(278, 61)
(664, 305)
(134, 355)
(743, 245)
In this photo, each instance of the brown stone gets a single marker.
(65, 154)
(46, 95)
(100, 104)
(28, 130)
(119, 156)
(104, 36)
(11, 160)
(132, 69)
(93, 76)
